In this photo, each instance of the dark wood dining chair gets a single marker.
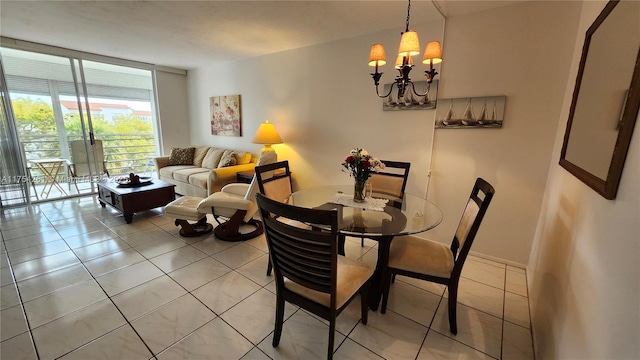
(433, 261)
(308, 271)
(390, 184)
(274, 181)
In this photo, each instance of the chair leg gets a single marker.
(230, 230)
(362, 242)
(386, 284)
(269, 268)
(279, 320)
(364, 303)
(190, 230)
(453, 295)
(332, 333)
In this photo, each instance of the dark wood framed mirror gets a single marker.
(606, 99)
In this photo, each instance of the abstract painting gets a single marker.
(225, 115)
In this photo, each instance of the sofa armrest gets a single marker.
(222, 176)
(160, 162)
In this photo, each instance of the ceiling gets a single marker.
(191, 34)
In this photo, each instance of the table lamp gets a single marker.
(267, 135)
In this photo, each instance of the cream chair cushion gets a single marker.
(469, 215)
(351, 275)
(422, 256)
(279, 189)
(387, 185)
(229, 200)
(185, 208)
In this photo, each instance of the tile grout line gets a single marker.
(249, 273)
(504, 306)
(112, 302)
(533, 344)
(21, 303)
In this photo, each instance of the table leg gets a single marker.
(57, 167)
(377, 280)
(128, 218)
(50, 174)
(47, 180)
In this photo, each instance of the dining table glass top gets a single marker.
(410, 215)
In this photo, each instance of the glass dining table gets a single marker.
(373, 219)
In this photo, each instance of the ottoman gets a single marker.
(185, 209)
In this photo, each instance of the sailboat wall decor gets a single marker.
(475, 112)
(410, 101)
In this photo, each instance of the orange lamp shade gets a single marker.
(377, 55)
(409, 44)
(432, 53)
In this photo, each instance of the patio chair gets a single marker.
(81, 163)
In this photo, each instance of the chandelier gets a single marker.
(409, 47)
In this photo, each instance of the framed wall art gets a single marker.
(225, 115)
(476, 112)
(410, 101)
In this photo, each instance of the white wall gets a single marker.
(584, 272)
(173, 110)
(322, 101)
(522, 51)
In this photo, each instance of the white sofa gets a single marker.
(206, 174)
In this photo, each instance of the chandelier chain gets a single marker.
(408, 14)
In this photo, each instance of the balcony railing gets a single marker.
(124, 153)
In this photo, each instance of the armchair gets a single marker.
(235, 205)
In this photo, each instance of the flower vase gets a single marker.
(359, 191)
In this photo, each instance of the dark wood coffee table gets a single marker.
(129, 200)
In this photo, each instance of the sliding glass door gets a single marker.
(78, 121)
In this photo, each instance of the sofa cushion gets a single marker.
(167, 171)
(199, 154)
(212, 158)
(228, 159)
(199, 179)
(181, 156)
(184, 174)
(244, 158)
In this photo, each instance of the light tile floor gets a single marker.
(77, 282)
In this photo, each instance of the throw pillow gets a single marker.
(199, 154)
(228, 159)
(212, 158)
(244, 157)
(181, 156)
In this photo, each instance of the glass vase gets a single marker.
(359, 191)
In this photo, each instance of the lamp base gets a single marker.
(267, 149)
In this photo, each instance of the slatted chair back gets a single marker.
(304, 256)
